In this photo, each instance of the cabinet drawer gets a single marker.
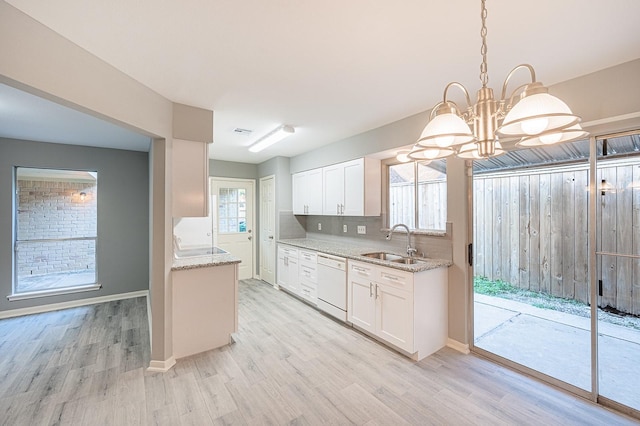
(288, 251)
(308, 274)
(363, 270)
(308, 256)
(309, 293)
(395, 278)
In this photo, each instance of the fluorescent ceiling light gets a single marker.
(272, 137)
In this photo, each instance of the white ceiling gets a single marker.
(333, 69)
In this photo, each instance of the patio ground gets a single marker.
(558, 344)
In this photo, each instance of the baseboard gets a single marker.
(460, 347)
(72, 304)
(161, 366)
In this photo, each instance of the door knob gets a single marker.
(249, 237)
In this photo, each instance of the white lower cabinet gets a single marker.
(287, 272)
(308, 275)
(406, 310)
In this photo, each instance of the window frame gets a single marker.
(386, 214)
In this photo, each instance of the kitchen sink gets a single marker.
(384, 256)
(407, 260)
(395, 258)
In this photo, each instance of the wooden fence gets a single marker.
(531, 230)
(432, 197)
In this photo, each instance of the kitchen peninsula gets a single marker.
(205, 302)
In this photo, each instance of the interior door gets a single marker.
(267, 230)
(234, 220)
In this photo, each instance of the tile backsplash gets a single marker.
(332, 228)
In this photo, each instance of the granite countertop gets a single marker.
(355, 253)
(204, 261)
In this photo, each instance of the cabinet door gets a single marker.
(294, 281)
(282, 271)
(298, 183)
(362, 304)
(190, 179)
(394, 316)
(313, 192)
(333, 184)
(354, 188)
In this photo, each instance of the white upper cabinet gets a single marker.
(307, 192)
(352, 188)
(190, 178)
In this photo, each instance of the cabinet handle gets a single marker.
(370, 289)
(286, 261)
(376, 291)
(390, 277)
(361, 270)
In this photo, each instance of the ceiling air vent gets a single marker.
(244, 132)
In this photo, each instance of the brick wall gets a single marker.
(53, 209)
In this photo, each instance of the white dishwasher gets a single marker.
(332, 285)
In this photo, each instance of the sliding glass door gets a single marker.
(557, 265)
(618, 269)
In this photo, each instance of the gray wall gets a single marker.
(231, 169)
(123, 214)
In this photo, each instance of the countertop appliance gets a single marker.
(332, 285)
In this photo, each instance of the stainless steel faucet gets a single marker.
(410, 250)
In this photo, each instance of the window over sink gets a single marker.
(417, 194)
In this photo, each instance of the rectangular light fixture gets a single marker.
(272, 137)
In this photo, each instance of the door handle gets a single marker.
(249, 237)
(271, 237)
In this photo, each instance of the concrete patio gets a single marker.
(558, 344)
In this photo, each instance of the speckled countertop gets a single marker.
(355, 253)
(205, 261)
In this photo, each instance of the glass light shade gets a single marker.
(558, 136)
(445, 130)
(403, 156)
(421, 153)
(535, 114)
(470, 151)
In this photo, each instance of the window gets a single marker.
(417, 194)
(232, 210)
(56, 230)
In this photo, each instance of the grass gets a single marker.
(505, 290)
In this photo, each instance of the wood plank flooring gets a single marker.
(290, 365)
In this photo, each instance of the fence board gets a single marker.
(608, 239)
(498, 239)
(568, 234)
(505, 253)
(488, 227)
(479, 240)
(545, 233)
(524, 230)
(514, 225)
(555, 260)
(624, 245)
(581, 230)
(534, 233)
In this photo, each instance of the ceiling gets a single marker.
(331, 69)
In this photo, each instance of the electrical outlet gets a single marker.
(362, 229)
(344, 228)
(319, 226)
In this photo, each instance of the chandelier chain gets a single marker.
(484, 76)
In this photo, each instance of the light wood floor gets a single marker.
(290, 365)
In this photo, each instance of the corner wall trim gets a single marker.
(460, 347)
(161, 366)
(72, 304)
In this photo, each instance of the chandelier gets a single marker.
(529, 113)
